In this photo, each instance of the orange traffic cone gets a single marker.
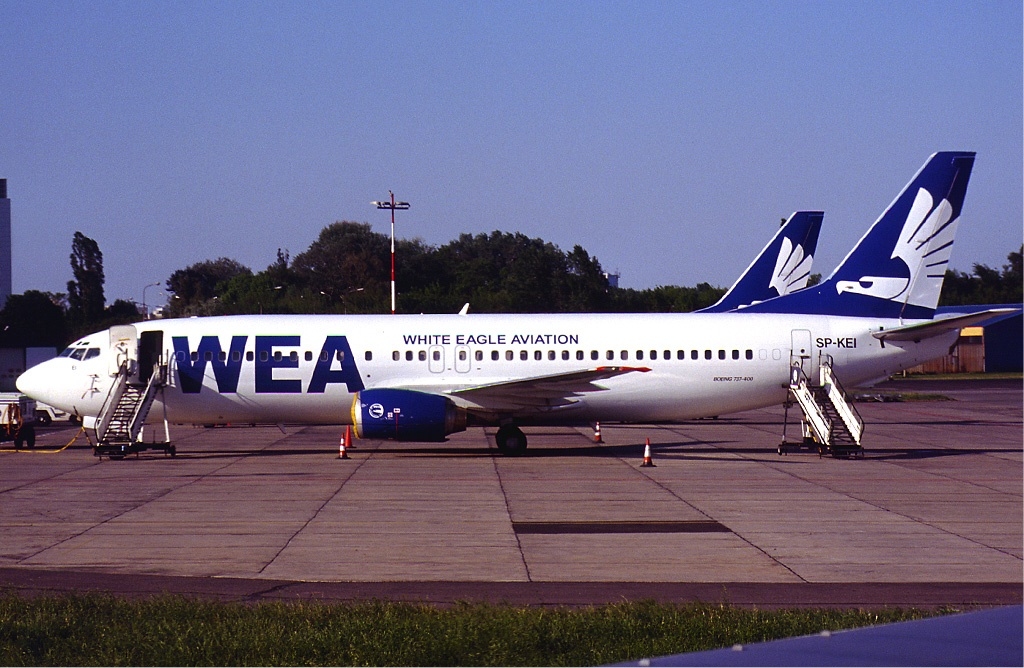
(342, 444)
(597, 433)
(349, 444)
(648, 461)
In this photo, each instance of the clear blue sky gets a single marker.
(666, 138)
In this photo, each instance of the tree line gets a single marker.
(347, 270)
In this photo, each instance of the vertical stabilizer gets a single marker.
(783, 266)
(897, 267)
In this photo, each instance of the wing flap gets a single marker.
(541, 392)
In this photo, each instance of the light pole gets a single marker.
(392, 205)
(145, 309)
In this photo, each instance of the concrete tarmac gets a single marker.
(930, 516)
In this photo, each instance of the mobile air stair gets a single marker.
(119, 424)
(831, 423)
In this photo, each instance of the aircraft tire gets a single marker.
(510, 440)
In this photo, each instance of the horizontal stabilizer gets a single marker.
(926, 330)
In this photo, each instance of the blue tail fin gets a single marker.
(783, 266)
(897, 267)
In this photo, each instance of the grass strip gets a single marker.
(95, 629)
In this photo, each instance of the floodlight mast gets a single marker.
(392, 205)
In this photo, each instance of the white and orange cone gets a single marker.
(343, 444)
(597, 433)
(648, 460)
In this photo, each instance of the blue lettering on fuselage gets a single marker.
(227, 367)
(190, 373)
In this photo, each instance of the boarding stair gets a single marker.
(124, 412)
(831, 421)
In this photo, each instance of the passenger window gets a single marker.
(523, 355)
(508, 355)
(579, 354)
(462, 355)
(735, 354)
(624, 354)
(236, 355)
(693, 354)
(223, 356)
(368, 356)
(423, 355)
(479, 355)
(309, 356)
(249, 356)
(494, 355)
(639, 354)
(537, 355)
(277, 355)
(610, 355)
(340, 355)
(654, 354)
(408, 355)
(396, 356)
(551, 354)
(180, 355)
(264, 355)
(436, 355)
(750, 354)
(565, 354)
(294, 356)
(721, 354)
(707, 354)
(668, 354)
(323, 356)
(593, 354)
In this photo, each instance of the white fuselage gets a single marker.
(286, 368)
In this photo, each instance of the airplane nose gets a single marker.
(34, 383)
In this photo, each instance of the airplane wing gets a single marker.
(932, 328)
(540, 392)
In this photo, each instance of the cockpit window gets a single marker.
(92, 352)
(78, 353)
(66, 352)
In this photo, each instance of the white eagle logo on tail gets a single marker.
(925, 244)
(792, 268)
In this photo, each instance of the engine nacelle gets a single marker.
(405, 415)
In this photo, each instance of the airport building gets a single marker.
(5, 244)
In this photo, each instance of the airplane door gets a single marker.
(800, 354)
(435, 355)
(124, 347)
(462, 359)
(151, 347)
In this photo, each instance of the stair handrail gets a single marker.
(837, 395)
(820, 423)
(142, 408)
(114, 394)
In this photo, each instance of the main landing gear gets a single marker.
(510, 440)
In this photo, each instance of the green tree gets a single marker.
(85, 293)
(349, 264)
(33, 319)
(984, 285)
(195, 287)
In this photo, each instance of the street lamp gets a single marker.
(392, 205)
(144, 308)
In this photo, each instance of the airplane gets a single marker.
(783, 266)
(423, 377)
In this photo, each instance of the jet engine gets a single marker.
(405, 415)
